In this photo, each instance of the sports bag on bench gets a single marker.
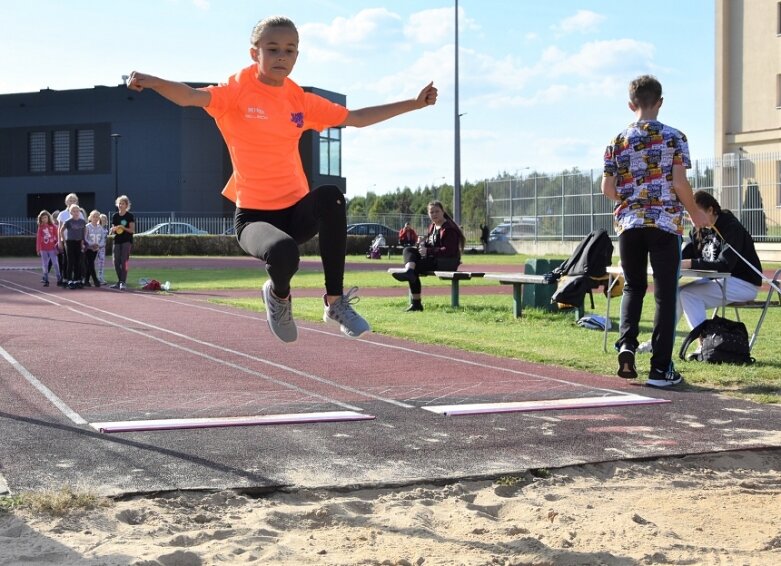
(723, 341)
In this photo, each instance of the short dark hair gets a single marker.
(270, 22)
(705, 200)
(645, 91)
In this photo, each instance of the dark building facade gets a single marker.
(106, 141)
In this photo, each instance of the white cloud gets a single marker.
(583, 21)
(434, 66)
(431, 27)
(201, 4)
(600, 58)
(356, 29)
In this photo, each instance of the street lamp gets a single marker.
(116, 137)
(457, 137)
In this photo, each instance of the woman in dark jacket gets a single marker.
(440, 250)
(707, 250)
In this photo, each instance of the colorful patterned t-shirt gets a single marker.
(642, 158)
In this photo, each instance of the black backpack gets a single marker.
(584, 270)
(723, 341)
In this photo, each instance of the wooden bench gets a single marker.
(517, 280)
(455, 277)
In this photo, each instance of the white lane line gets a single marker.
(217, 422)
(288, 369)
(45, 391)
(543, 405)
(410, 350)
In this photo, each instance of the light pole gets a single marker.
(116, 137)
(457, 144)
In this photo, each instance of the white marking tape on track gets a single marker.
(45, 391)
(543, 405)
(217, 347)
(450, 358)
(216, 422)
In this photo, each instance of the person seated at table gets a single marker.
(407, 235)
(708, 250)
(441, 250)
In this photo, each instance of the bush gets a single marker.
(17, 246)
(166, 245)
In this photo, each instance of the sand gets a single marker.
(707, 509)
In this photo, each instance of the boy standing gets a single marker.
(261, 113)
(645, 173)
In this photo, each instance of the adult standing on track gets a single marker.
(262, 114)
(123, 225)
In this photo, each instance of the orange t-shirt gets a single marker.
(261, 125)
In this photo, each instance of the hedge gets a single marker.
(23, 246)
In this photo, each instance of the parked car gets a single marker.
(176, 228)
(521, 228)
(372, 229)
(8, 229)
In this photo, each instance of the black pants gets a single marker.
(73, 265)
(636, 246)
(274, 235)
(427, 263)
(89, 260)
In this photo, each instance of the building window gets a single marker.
(61, 146)
(85, 150)
(778, 183)
(331, 152)
(778, 19)
(36, 151)
(778, 91)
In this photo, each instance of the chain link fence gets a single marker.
(568, 205)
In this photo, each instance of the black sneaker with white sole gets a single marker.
(626, 364)
(661, 379)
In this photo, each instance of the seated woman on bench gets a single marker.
(440, 250)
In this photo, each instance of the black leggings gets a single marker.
(428, 263)
(274, 235)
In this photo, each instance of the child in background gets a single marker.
(61, 217)
(645, 174)
(46, 246)
(100, 261)
(95, 237)
(72, 232)
(60, 251)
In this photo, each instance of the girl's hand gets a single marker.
(139, 81)
(427, 96)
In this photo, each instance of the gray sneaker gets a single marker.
(341, 311)
(279, 314)
(645, 348)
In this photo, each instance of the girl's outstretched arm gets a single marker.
(178, 93)
(374, 114)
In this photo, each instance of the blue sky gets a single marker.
(542, 84)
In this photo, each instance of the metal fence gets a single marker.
(568, 205)
(223, 223)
